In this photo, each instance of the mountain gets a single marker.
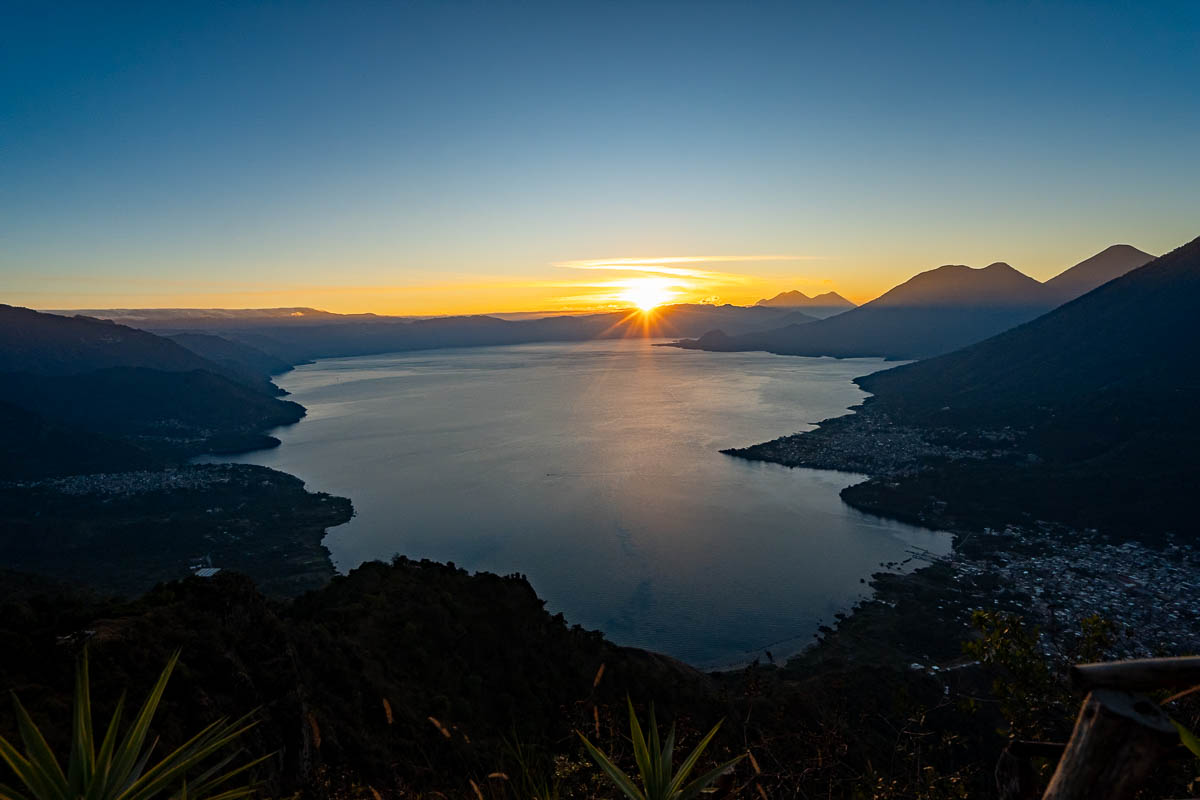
(175, 412)
(284, 338)
(50, 344)
(932, 313)
(1111, 262)
(80, 394)
(219, 317)
(820, 306)
(1097, 397)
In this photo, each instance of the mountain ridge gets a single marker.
(1097, 398)
(821, 305)
(934, 312)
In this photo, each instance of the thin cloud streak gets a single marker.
(602, 263)
(663, 265)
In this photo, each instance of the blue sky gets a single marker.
(447, 156)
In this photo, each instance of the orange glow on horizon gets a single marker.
(569, 287)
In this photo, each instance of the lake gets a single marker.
(594, 470)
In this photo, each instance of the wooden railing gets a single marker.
(1121, 735)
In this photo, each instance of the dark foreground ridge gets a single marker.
(415, 677)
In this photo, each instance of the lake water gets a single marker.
(594, 470)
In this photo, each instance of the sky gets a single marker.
(455, 157)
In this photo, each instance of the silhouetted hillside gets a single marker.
(182, 411)
(1101, 394)
(932, 313)
(54, 344)
(73, 386)
(50, 344)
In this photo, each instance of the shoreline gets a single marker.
(1052, 575)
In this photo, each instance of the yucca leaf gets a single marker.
(695, 787)
(119, 771)
(613, 771)
(130, 749)
(139, 775)
(83, 755)
(668, 756)
(172, 768)
(211, 740)
(1189, 739)
(9, 793)
(136, 772)
(24, 770)
(43, 765)
(100, 777)
(244, 791)
(205, 784)
(658, 777)
(689, 763)
(640, 754)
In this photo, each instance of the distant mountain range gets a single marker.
(934, 312)
(221, 317)
(1098, 395)
(820, 306)
(295, 339)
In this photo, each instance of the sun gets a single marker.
(648, 293)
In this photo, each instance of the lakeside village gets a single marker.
(1052, 576)
(1056, 577)
(116, 485)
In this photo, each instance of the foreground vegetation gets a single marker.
(410, 678)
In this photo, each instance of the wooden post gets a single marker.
(1119, 739)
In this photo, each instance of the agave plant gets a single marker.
(659, 780)
(120, 769)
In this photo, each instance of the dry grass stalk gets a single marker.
(316, 730)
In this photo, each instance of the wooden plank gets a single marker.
(1139, 675)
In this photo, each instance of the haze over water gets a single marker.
(594, 470)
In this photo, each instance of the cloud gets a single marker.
(667, 265)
